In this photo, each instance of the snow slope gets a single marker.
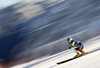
(91, 60)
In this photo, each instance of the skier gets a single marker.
(78, 45)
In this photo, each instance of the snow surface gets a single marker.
(91, 60)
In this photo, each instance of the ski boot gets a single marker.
(83, 52)
(78, 54)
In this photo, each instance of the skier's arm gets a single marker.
(72, 45)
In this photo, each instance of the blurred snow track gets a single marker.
(90, 60)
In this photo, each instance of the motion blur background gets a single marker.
(39, 28)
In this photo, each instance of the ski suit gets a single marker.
(77, 44)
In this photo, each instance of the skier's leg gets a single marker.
(80, 49)
(78, 53)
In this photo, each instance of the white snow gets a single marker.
(91, 60)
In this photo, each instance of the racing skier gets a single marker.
(78, 46)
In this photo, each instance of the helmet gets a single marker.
(69, 39)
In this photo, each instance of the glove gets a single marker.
(69, 47)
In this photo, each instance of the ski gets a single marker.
(70, 59)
